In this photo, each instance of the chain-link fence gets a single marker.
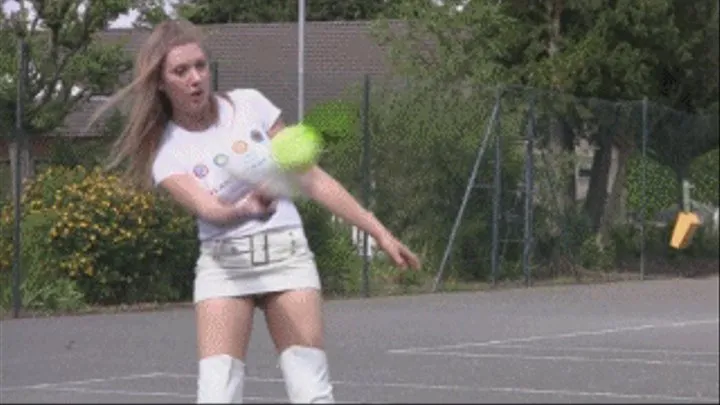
(489, 185)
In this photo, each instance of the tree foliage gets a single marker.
(267, 11)
(609, 49)
(616, 50)
(65, 64)
(150, 13)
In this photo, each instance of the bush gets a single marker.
(119, 245)
(661, 186)
(705, 176)
(662, 189)
(421, 168)
(628, 243)
(594, 256)
(43, 286)
(338, 263)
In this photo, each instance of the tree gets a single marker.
(265, 11)
(66, 65)
(150, 13)
(615, 50)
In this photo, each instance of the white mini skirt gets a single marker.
(271, 261)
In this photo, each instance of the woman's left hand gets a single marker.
(400, 254)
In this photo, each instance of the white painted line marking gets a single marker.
(145, 394)
(596, 349)
(507, 390)
(80, 382)
(468, 355)
(557, 336)
(247, 377)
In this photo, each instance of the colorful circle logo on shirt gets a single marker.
(220, 160)
(256, 136)
(240, 147)
(200, 170)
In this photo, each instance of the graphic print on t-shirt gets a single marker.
(239, 147)
(233, 154)
(257, 136)
(200, 170)
(220, 159)
(206, 156)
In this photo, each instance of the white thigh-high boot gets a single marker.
(220, 380)
(307, 380)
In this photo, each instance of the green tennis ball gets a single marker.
(296, 147)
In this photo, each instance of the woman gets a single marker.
(253, 250)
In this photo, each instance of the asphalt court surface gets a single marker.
(652, 341)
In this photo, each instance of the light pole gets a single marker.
(301, 59)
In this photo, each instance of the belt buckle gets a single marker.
(265, 249)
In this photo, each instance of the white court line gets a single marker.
(80, 382)
(557, 336)
(506, 390)
(597, 349)
(247, 377)
(562, 358)
(146, 394)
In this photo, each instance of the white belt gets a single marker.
(258, 249)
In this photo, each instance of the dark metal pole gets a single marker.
(489, 131)
(19, 149)
(367, 180)
(643, 187)
(529, 193)
(496, 207)
(215, 77)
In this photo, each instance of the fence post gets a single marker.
(643, 187)
(366, 180)
(496, 208)
(19, 147)
(489, 132)
(529, 191)
(215, 75)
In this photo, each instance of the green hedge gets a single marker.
(704, 175)
(662, 189)
(87, 239)
(115, 244)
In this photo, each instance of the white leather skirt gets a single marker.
(271, 261)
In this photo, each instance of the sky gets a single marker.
(125, 21)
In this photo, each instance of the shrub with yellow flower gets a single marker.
(119, 244)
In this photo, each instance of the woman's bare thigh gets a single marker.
(224, 326)
(294, 318)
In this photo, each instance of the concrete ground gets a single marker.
(652, 341)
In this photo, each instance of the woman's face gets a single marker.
(186, 79)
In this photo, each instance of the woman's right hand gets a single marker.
(255, 204)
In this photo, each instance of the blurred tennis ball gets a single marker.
(296, 147)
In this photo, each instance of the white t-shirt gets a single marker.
(248, 119)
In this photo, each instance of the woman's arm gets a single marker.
(199, 202)
(323, 188)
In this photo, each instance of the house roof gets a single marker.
(264, 57)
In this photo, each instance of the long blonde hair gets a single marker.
(150, 109)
